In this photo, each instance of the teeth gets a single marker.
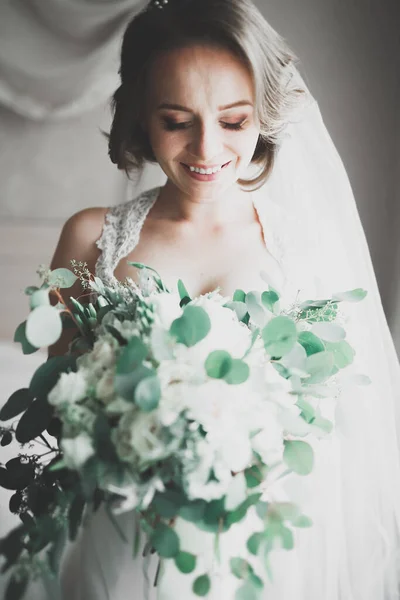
(205, 171)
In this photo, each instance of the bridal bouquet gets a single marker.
(172, 406)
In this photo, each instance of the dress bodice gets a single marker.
(291, 253)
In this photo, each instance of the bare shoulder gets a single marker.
(78, 238)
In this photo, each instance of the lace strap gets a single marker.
(121, 231)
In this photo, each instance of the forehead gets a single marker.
(199, 75)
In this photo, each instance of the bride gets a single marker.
(209, 91)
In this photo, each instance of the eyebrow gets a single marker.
(220, 108)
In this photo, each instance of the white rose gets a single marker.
(197, 481)
(71, 387)
(103, 353)
(77, 450)
(269, 441)
(105, 387)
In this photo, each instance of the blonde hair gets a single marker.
(234, 25)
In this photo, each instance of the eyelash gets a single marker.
(171, 126)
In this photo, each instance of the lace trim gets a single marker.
(121, 232)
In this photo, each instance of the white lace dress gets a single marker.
(99, 566)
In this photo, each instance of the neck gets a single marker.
(175, 205)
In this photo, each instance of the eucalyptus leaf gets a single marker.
(255, 309)
(319, 366)
(20, 336)
(299, 456)
(34, 421)
(302, 521)
(343, 353)
(247, 591)
(218, 364)
(185, 562)
(43, 326)
(310, 342)
(355, 295)
(201, 585)
(253, 542)
(279, 336)
(39, 298)
(46, 376)
(62, 278)
(239, 308)
(239, 296)
(6, 439)
(148, 393)
(192, 327)
(240, 567)
(183, 293)
(238, 373)
(126, 384)
(16, 404)
(330, 332)
(132, 356)
(269, 299)
(165, 540)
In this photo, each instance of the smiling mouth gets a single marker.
(191, 168)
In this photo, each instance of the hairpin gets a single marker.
(158, 3)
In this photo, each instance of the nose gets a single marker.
(206, 141)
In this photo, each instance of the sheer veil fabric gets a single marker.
(352, 552)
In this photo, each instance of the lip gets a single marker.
(204, 177)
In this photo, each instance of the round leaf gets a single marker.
(185, 562)
(34, 421)
(311, 343)
(20, 336)
(255, 309)
(299, 456)
(16, 404)
(218, 364)
(46, 376)
(343, 353)
(331, 332)
(240, 567)
(132, 356)
(239, 372)
(351, 296)
(43, 326)
(39, 298)
(279, 336)
(192, 326)
(62, 278)
(201, 585)
(165, 541)
(6, 438)
(319, 366)
(247, 591)
(148, 393)
(253, 543)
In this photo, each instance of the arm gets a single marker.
(77, 241)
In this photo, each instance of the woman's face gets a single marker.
(201, 114)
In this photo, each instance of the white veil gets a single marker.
(360, 494)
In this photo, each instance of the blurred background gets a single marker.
(58, 68)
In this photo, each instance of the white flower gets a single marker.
(105, 386)
(166, 308)
(138, 438)
(103, 353)
(71, 387)
(77, 450)
(198, 483)
(269, 441)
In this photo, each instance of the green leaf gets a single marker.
(62, 278)
(6, 438)
(185, 562)
(132, 356)
(43, 326)
(246, 591)
(319, 366)
(255, 309)
(34, 421)
(20, 336)
(16, 587)
(218, 364)
(167, 504)
(183, 293)
(126, 384)
(240, 512)
(39, 298)
(239, 308)
(239, 296)
(287, 538)
(192, 326)
(201, 585)
(330, 332)
(239, 372)
(269, 299)
(240, 567)
(355, 295)
(46, 376)
(165, 540)
(343, 353)
(254, 476)
(31, 289)
(279, 336)
(194, 511)
(21, 473)
(253, 543)
(157, 279)
(310, 342)
(299, 456)
(148, 393)
(302, 521)
(16, 404)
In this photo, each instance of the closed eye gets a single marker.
(170, 125)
